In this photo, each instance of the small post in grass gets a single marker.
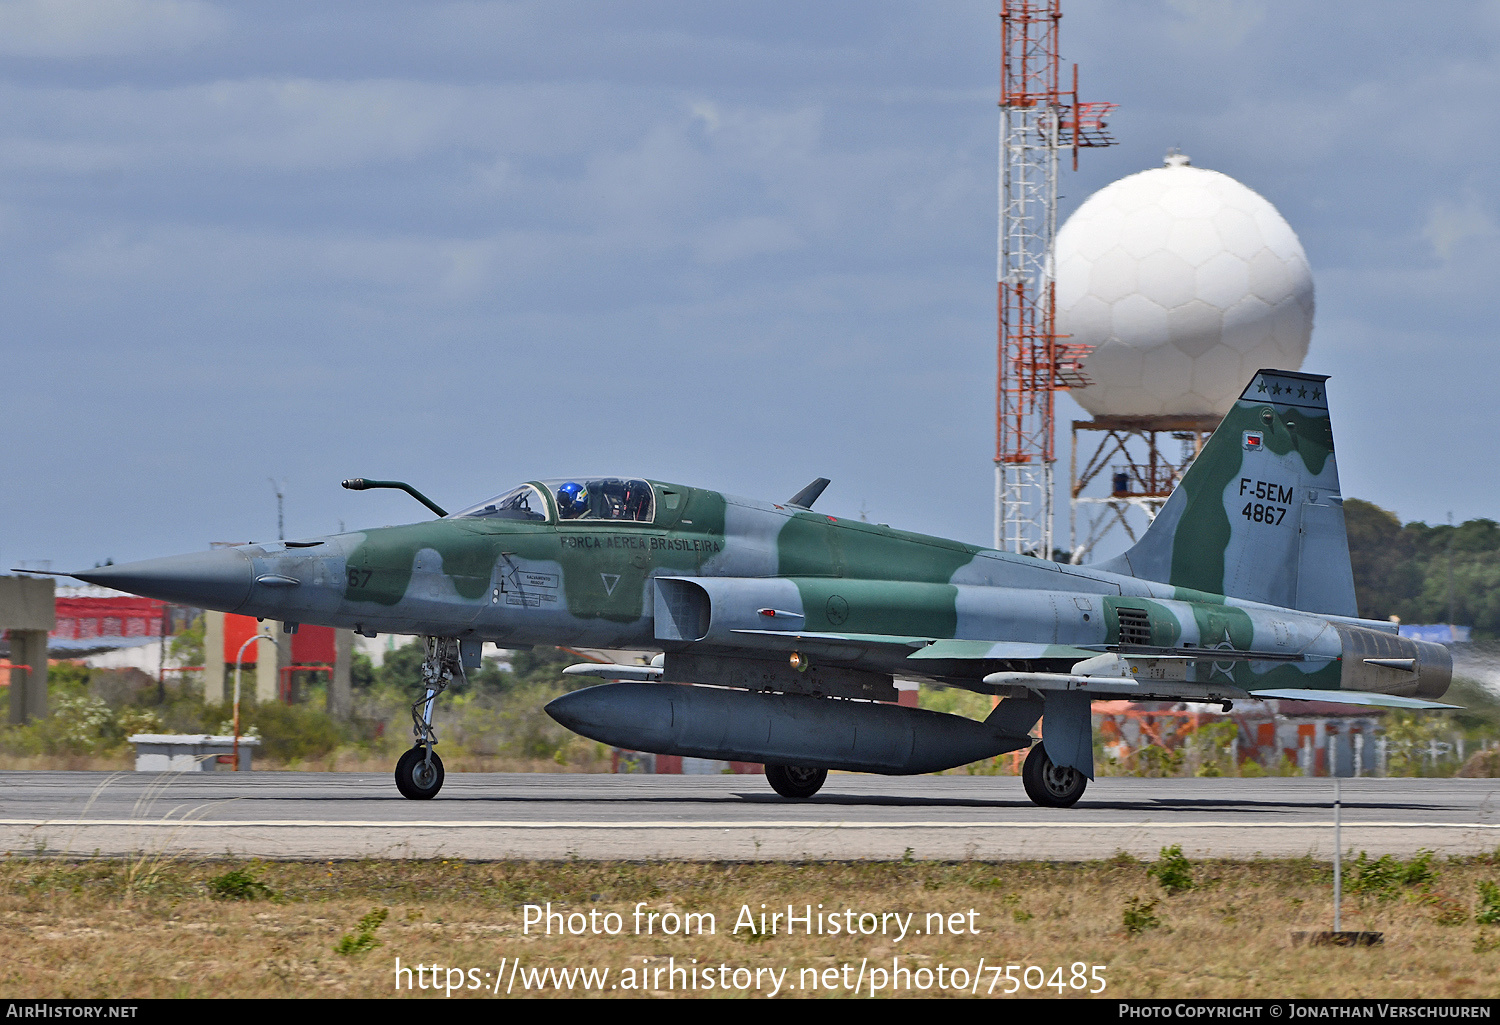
(1338, 937)
(1338, 859)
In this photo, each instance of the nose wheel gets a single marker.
(419, 774)
(1051, 786)
(795, 781)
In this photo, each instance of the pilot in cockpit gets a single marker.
(572, 500)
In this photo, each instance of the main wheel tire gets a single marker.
(1048, 785)
(418, 779)
(795, 781)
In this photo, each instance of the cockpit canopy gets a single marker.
(522, 503)
(573, 498)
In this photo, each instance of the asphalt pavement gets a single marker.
(499, 815)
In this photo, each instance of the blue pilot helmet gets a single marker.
(572, 500)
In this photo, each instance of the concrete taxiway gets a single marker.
(495, 815)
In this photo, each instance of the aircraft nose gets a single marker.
(219, 580)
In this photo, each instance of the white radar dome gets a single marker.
(1186, 282)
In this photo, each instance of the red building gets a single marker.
(104, 616)
(311, 645)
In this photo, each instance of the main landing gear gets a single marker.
(795, 781)
(1048, 785)
(419, 773)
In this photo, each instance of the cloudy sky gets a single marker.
(734, 245)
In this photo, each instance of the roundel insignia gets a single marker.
(837, 610)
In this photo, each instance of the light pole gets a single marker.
(280, 522)
(238, 659)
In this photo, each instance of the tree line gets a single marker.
(1420, 572)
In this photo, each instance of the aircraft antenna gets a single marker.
(1039, 119)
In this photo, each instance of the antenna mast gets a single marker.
(1038, 120)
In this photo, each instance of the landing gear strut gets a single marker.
(1051, 786)
(419, 773)
(795, 781)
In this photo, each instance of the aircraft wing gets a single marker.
(1119, 687)
(944, 657)
(610, 671)
(1115, 672)
(952, 649)
(981, 651)
(929, 648)
(800, 638)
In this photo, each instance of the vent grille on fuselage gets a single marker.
(1135, 626)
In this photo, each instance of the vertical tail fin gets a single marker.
(1258, 515)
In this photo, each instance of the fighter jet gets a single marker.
(781, 630)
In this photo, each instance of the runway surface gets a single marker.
(494, 815)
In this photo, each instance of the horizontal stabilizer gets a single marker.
(1351, 697)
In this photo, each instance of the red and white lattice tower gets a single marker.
(1038, 120)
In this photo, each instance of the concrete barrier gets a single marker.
(189, 752)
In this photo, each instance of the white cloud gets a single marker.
(90, 28)
(708, 114)
(1450, 224)
(217, 260)
(727, 241)
(254, 123)
(1217, 23)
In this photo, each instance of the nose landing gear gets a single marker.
(419, 773)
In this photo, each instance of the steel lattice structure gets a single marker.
(1037, 121)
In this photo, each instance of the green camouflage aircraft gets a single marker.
(792, 625)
